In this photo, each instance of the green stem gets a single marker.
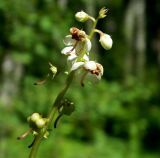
(98, 31)
(90, 36)
(51, 115)
(56, 105)
(35, 146)
(60, 96)
(93, 28)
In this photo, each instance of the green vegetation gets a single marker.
(116, 118)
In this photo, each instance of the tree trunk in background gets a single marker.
(156, 47)
(11, 75)
(140, 38)
(135, 34)
(91, 10)
(134, 143)
(134, 26)
(62, 3)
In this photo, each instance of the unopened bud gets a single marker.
(68, 109)
(53, 69)
(34, 117)
(40, 123)
(103, 12)
(106, 41)
(81, 16)
(46, 134)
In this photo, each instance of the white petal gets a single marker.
(72, 57)
(68, 41)
(88, 45)
(85, 57)
(90, 65)
(76, 65)
(100, 67)
(67, 50)
(101, 70)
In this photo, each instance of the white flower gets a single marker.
(68, 41)
(94, 68)
(106, 41)
(88, 70)
(81, 16)
(75, 47)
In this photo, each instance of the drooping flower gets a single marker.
(88, 70)
(93, 72)
(94, 68)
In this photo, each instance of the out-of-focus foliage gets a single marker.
(33, 30)
(112, 119)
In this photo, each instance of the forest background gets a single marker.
(117, 118)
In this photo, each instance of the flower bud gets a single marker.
(68, 107)
(103, 12)
(40, 123)
(53, 69)
(46, 134)
(106, 41)
(81, 16)
(34, 117)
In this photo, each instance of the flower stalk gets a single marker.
(93, 28)
(78, 46)
(51, 115)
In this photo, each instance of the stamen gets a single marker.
(73, 47)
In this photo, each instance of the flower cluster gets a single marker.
(77, 49)
(36, 124)
(78, 46)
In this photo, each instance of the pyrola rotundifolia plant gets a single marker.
(77, 50)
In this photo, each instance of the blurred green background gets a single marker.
(117, 118)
